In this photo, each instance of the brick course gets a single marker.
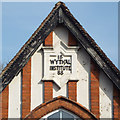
(49, 40)
(94, 89)
(26, 89)
(71, 40)
(4, 99)
(72, 90)
(61, 102)
(116, 103)
(48, 90)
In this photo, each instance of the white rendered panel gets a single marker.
(59, 34)
(36, 76)
(59, 92)
(106, 96)
(83, 72)
(14, 104)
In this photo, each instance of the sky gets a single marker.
(21, 19)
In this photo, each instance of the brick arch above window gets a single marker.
(61, 102)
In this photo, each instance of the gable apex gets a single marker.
(59, 15)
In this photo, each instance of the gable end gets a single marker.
(59, 15)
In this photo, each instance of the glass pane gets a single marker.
(67, 116)
(55, 116)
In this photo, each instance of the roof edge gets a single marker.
(54, 15)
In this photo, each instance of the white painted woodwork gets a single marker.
(83, 73)
(106, 96)
(14, 104)
(36, 76)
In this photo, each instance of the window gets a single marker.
(61, 114)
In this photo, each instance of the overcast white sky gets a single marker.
(21, 19)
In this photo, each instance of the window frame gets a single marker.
(61, 116)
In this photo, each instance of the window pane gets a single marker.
(55, 116)
(67, 116)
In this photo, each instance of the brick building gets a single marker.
(60, 72)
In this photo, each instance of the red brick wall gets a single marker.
(71, 40)
(72, 90)
(48, 90)
(61, 102)
(49, 40)
(26, 89)
(116, 103)
(94, 86)
(4, 96)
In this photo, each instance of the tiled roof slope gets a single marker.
(59, 15)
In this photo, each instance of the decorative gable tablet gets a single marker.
(60, 60)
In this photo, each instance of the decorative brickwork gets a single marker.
(72, 90)
(48, 90)
(71, 40)
(49, 40)
(61, 102)
(26, 89)
(4, 103)
(94, 89)
(116, 103)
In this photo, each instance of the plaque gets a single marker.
(60, 64)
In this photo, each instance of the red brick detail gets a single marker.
(26, 89)
(48, 90)
(61, 102)
(4, 99)
(116, 102)
(94, 89)
(49, 40)
(72, 90)
(72, 40)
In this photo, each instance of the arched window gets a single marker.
(61, 114)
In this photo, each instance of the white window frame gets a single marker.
(60, 110)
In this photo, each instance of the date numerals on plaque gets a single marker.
(60, 72)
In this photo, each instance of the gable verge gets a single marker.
(59, 15)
